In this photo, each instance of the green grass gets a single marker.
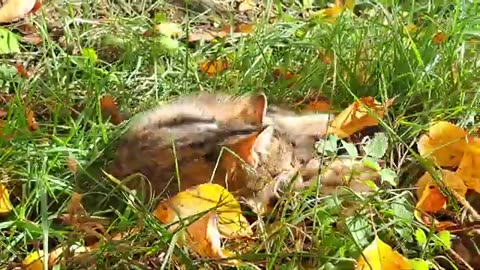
(142, 74)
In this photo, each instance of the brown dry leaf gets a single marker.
(212, 68)
(31, 121)
(356, 117)
(34, 39)
(109, 107)
(3, 113)
(439, 38)
(14, 10)
(72, 164)
(5, 204)
(445, 143)
(381, 256)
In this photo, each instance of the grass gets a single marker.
(372, 55)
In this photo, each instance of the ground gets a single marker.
(422, 53)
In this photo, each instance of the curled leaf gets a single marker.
(221, 217)
(357, 117)
(201, 199)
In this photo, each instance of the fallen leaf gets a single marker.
(381, 256)
(34, 260)
(109, 107)
(439, 38)
(31, 122)
(449, 178)
(280, 73)
(350, 4)
(445, 143)
(72, 164)
(3, 113)
(204, 238)
(432, 200)
(356, 117)
(322, 104)
(16, 9)
(469, 170)
(247, 5)
(5, 204)
(212, 68)
(21, 70)
(329, 14)
(204, 198)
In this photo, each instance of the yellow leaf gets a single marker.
(445, 142)
(381, 256)
(5, 204)
(204, 238)
(16, 9)
(330, 14)
(356, 117)
(449, 178)
(345, 3)
(469, 170)
(204, 198)
(34, 261)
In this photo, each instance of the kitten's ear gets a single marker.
(255, 108)
(249, 147)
